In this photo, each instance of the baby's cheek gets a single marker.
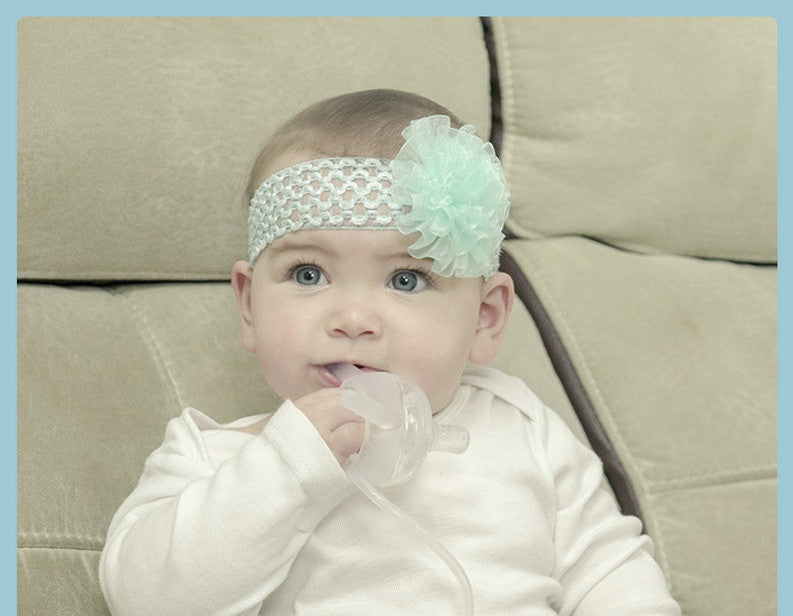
(440, 385)
(440, 376)
(278, 337)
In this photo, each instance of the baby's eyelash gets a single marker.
(289, 270)
(421, 270)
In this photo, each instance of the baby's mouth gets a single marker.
(345, 370)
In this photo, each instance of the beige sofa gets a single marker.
(641, 155)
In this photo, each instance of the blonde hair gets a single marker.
(365, 123)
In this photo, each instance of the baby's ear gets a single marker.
(498, 295)
(241, 276)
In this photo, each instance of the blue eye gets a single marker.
(408, 281)
(308, 275)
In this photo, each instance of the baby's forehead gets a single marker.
(356, 243)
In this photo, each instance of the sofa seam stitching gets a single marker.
(26, 538)
(97, 549)
(707, 480)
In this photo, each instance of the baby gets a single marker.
(374, 236)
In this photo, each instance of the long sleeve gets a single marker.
(215, 532)
(603, 561)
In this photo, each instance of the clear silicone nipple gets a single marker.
(400, 430)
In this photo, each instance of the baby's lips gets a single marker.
(327, 375)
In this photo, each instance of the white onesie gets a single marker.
(223, 522)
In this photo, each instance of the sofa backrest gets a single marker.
(601, 163)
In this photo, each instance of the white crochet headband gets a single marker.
(445, 184)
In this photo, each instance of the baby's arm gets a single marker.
(198, 536)
(604, 563)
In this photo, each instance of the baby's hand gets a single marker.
(339, 427)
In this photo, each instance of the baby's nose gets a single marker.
(354, 318)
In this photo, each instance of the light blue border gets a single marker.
(784, 329)
(12, 12)
(8, 342)
(403, 8)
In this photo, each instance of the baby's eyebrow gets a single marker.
(287, 244)
(290, 243)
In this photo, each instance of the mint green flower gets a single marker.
(457, 195)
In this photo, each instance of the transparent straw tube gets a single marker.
(400, 432)
(368, 490)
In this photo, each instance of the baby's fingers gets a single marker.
(346, 439)
(341, 429)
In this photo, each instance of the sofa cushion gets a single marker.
(677, 357)
(654, 134)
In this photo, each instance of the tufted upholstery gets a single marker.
(641, 154)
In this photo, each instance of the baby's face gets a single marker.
(328, 296)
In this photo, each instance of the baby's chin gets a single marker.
(439, 406)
